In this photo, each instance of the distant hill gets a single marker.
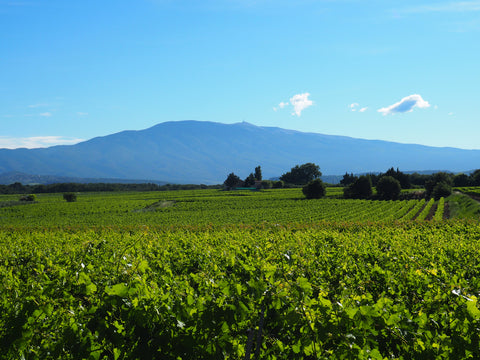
(29, 179)
(206, 152)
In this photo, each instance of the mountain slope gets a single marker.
(206, 152)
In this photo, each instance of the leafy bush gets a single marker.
(30, 197)
(388, 188)
(315, 189)
(266, 184)
(70, 197)
(360, 189)
(278, 184)
(441, 190)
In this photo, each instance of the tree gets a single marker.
(388, 188)
(315, 189)
(441, 190)
(250, 180)
(279, 184)
(301, 175)
(348, 179)
(360, 189)
(267, 184)
(437, 178)
(475, 176)
(232, 181)
(70, 197)
(402, 178)
(258, 173)
(461, 180)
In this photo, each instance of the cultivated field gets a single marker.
(209, 274)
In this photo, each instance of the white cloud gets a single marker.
(405, 105)
(282, 104)
(37, 105)
(82, 113)
(355, 107)
(46, 114)
(450, 113)
(300, 102)
(36, 142)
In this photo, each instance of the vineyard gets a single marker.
(203, 207)
(211, 274)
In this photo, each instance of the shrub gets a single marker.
(441, 190)
(70, 197)
(278, 184)
(30, 197)
(315, 189)
(388, 188)
(360, 189)
(266, 184)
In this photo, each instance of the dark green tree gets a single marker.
(348, 179)
(404, 179)
(461, 180)
(315, 189)
(301, 175)
(360, 189)
(232, 181)
(435, 179)
(388, 188)
(441, 189)
(70, 197)
(258, 173)
(250, 180)
(279, 184)
(475, 178)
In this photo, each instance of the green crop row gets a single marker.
(327, 291)
(200, 207)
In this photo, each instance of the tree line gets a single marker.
(388, 184)
(18, 188)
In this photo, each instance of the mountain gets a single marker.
(206, 152)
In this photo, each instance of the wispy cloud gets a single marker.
(452, 6)
(38, 105)
(300, 102)
(407, 104)
(356, 107)
(36, 142)
(46, 114)
(82, 113)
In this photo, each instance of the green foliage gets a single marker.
(70, 197)
(30, 197)
(232, 181)
(267, 184)
(249, 181)
(348, 179)
(402, 178)
(359, 189)
(332, 291)
(315, 189)
(440, 190)
(388, 188)
(463, 207)
(439, 178)
(301, 175)
(258, 173)
(279, 184)
(461, 180)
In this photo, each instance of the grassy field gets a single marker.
(210, 274)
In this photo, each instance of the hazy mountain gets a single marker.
(206, 152)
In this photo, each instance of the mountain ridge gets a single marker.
(206, 152)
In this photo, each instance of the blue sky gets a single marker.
(404, 71)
